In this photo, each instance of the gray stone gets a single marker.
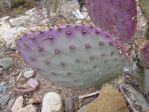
(10, 35)
(10, 103)
(29, 74)
(6, 63)
(3, 88)
(4, 100)
(52, 102)
(19, 21)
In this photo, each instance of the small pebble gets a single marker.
(33, 83)
(29, 74)
(52, 102)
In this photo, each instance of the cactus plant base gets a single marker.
(74, 56)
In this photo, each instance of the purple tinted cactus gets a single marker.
(116, 16)
(144, 54)
(75, 56)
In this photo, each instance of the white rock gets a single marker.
(28, 108)
(18, 104)
(4, 27)
(78, 14)
(52, 102)
(29, 74)
(10, 35)
(3, 19)
(31, 12)
(19, 21)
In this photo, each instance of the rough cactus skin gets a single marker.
(144, 54)
(115, 16)
(74, 56)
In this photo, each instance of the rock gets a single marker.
(52, 102)
(3, 88)
(10, 103)
(28, 108)
(3, 19)
(18, 104)
(11, 35)
(78, 14)
(109, 100)
(33, 83)
(68, 102)
(19, 21)
(31, 12)
(4, 27)
(6, 63)
(29, 74)
(4, 100)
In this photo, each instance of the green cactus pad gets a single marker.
(74, 56)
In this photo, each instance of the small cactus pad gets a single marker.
(118, 17)
(144, 54)
(74, 56)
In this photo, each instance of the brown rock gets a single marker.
(109, 100)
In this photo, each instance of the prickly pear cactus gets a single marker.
(144, 4)
(144, 54)
(74, 56)
(116, 16)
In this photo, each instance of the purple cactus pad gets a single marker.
(118, 17)
(77, 56)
